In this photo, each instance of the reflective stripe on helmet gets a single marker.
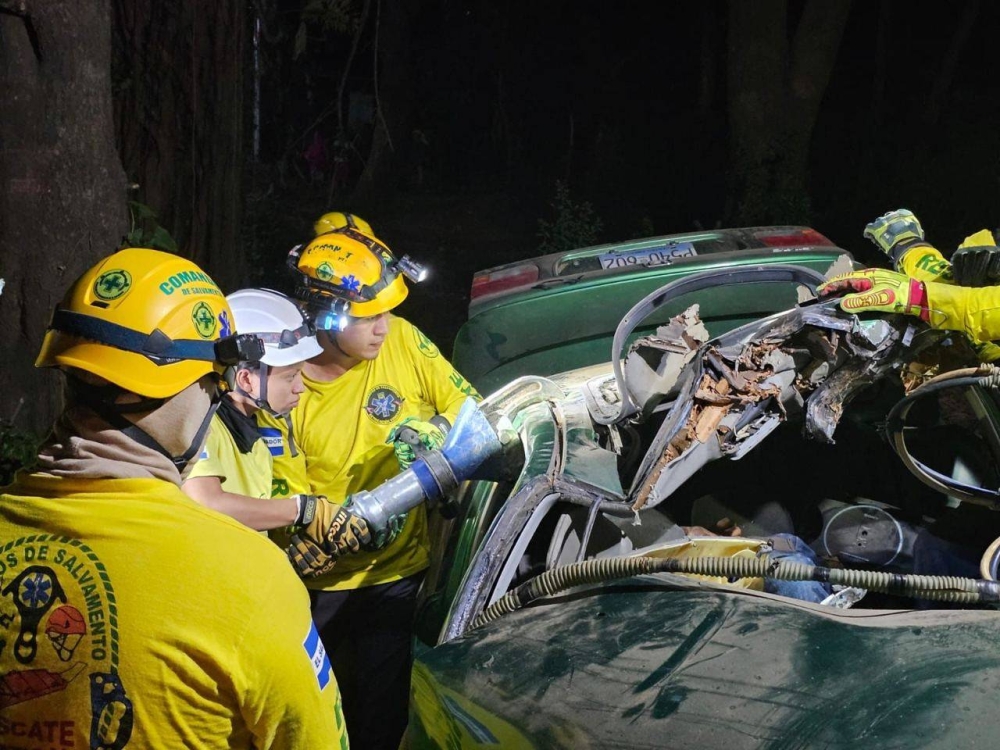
(157, 345)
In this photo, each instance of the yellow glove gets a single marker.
(878, 290)
(412, 437)
(895, 233)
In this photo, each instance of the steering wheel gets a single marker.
(778, 273)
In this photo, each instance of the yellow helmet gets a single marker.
(334, 220)
(148, 321)
(346, 272)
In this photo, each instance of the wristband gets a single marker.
(305, 509)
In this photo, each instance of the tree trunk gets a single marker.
(62, 189)
(774, 97)
(180, 122)
(395, 96)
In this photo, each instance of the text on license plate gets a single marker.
(649, 256)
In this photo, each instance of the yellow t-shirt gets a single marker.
(240, 473)
(340, 428)
(132, 617)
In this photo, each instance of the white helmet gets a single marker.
(287, 335)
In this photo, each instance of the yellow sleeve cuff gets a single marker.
(925, 263)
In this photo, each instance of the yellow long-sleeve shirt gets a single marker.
(976, 312)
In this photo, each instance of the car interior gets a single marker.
(853, 502)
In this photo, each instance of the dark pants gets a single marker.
(368, 634)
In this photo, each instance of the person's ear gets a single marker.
(247, 380)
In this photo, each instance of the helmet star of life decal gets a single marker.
(382, 404)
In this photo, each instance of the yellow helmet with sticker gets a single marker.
(148, 321)
(334, 220)
(346, 272)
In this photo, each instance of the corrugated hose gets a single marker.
(938, 588)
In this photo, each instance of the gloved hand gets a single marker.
(382, 538)
(411, 437)
(878, 290)
(977, 260)
(895, 233)
(308, 557)
(332, 526)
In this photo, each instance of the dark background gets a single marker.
(613, 100)
(657, 117)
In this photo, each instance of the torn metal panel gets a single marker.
(654, 362)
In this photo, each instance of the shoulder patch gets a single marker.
(317, 656)
(424, 345)
(382, 404)
(273, 440)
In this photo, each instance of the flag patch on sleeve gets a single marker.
(317, 655)
(273, 440)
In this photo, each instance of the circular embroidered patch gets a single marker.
(424, 344)
(325, 271)
(204, 320)
(382, 404)
(111, 285)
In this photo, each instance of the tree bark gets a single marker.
(180, 122)
(395, 96)
(62, 188)
(774, 95)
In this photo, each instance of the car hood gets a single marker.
(671, 663)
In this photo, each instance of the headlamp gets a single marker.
(414, 271)
(243, 348)
(333, 317)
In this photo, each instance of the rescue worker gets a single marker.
(233, 471)
(132, 616)
(377, 372)
(923, 284)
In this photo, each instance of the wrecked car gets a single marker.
(626, 577)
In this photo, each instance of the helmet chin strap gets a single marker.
(259, 402)
(332, 338)
(102, 400)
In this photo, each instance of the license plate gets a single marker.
(648, 256)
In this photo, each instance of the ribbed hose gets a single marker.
(990, 376)
(565, 577)
(937, 588)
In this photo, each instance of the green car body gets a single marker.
(668, 660)
(564, 319)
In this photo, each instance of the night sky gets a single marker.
(515, 95)
(606, 96)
